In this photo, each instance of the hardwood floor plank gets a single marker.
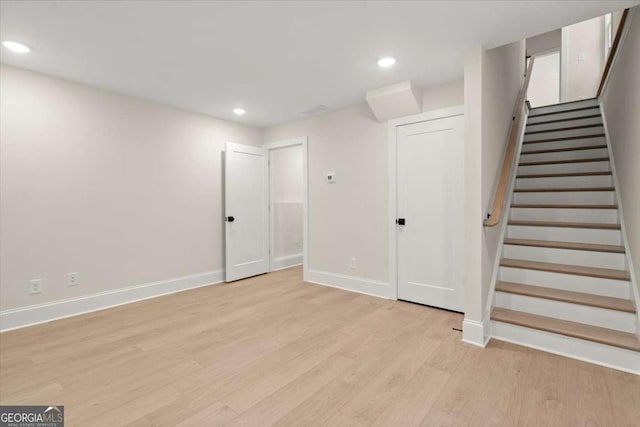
(587, 405)
(463, 392)
(273, 350)
(623, 390)
(503, 394)
(546, 387)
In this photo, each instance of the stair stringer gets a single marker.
(625, 242)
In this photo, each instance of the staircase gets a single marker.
(563, 282)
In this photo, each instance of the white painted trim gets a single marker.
(393, 178)
(564, 64)
(350, 283)
(504, 222)
(634, 282)
(42, 313)
(625, 31)
(286, 262)
(303, 141)
(586, 351)
(475, 333)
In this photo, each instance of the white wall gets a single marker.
(544, 42)
(492, 81)
(123, 191)
(582, 59)
(621, 104)
(286, 193)
(502, 77)
(544, 86)
(349, 218)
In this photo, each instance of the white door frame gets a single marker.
(302, 141)
(393, 181)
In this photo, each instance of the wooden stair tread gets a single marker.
(560, 150)
(561, 206)
(565, 138)
(571, 329)
(558, 162)
(564, 111)
(564, 128)
(592, 247)
(577, 270)
(562, 190)
(581, 298)
(591, 116)
(561, 175)
(565, 224)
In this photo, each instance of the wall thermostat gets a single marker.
(331, 178)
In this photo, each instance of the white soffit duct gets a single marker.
(399, 100)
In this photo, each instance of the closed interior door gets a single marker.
(246, 211)
(430, 201)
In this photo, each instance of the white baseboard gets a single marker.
(350, 283)
(41, 313)
(475, 333)
(586, 351)
(286, 262)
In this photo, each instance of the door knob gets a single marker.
(400, 221)
(229, 219)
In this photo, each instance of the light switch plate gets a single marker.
(35, 286)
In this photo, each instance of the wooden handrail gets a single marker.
(495, 215)
(612, 53)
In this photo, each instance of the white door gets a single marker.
(430, 203)
(246, 211)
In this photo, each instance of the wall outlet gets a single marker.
(35, 286)
(331, 177)
(73, 279)
(353, 264)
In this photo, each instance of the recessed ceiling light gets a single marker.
(386, 62)
(239, 111)
(16, 47)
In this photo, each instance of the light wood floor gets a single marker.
(274, 350)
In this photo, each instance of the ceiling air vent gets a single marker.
(316, 110)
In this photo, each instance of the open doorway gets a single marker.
(288, 203)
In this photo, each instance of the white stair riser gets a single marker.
(566, 182)
(605, 318)
(565, 234)
(568, 215)
(603, 166)
(564, 124)
(571, 143)
(571, 133)
(563, 107)
(565, 155)
(589, 351)
(532, 119)
(567, 282)
(566, 256)
(566, 197)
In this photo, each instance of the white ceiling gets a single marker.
(276, 59)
